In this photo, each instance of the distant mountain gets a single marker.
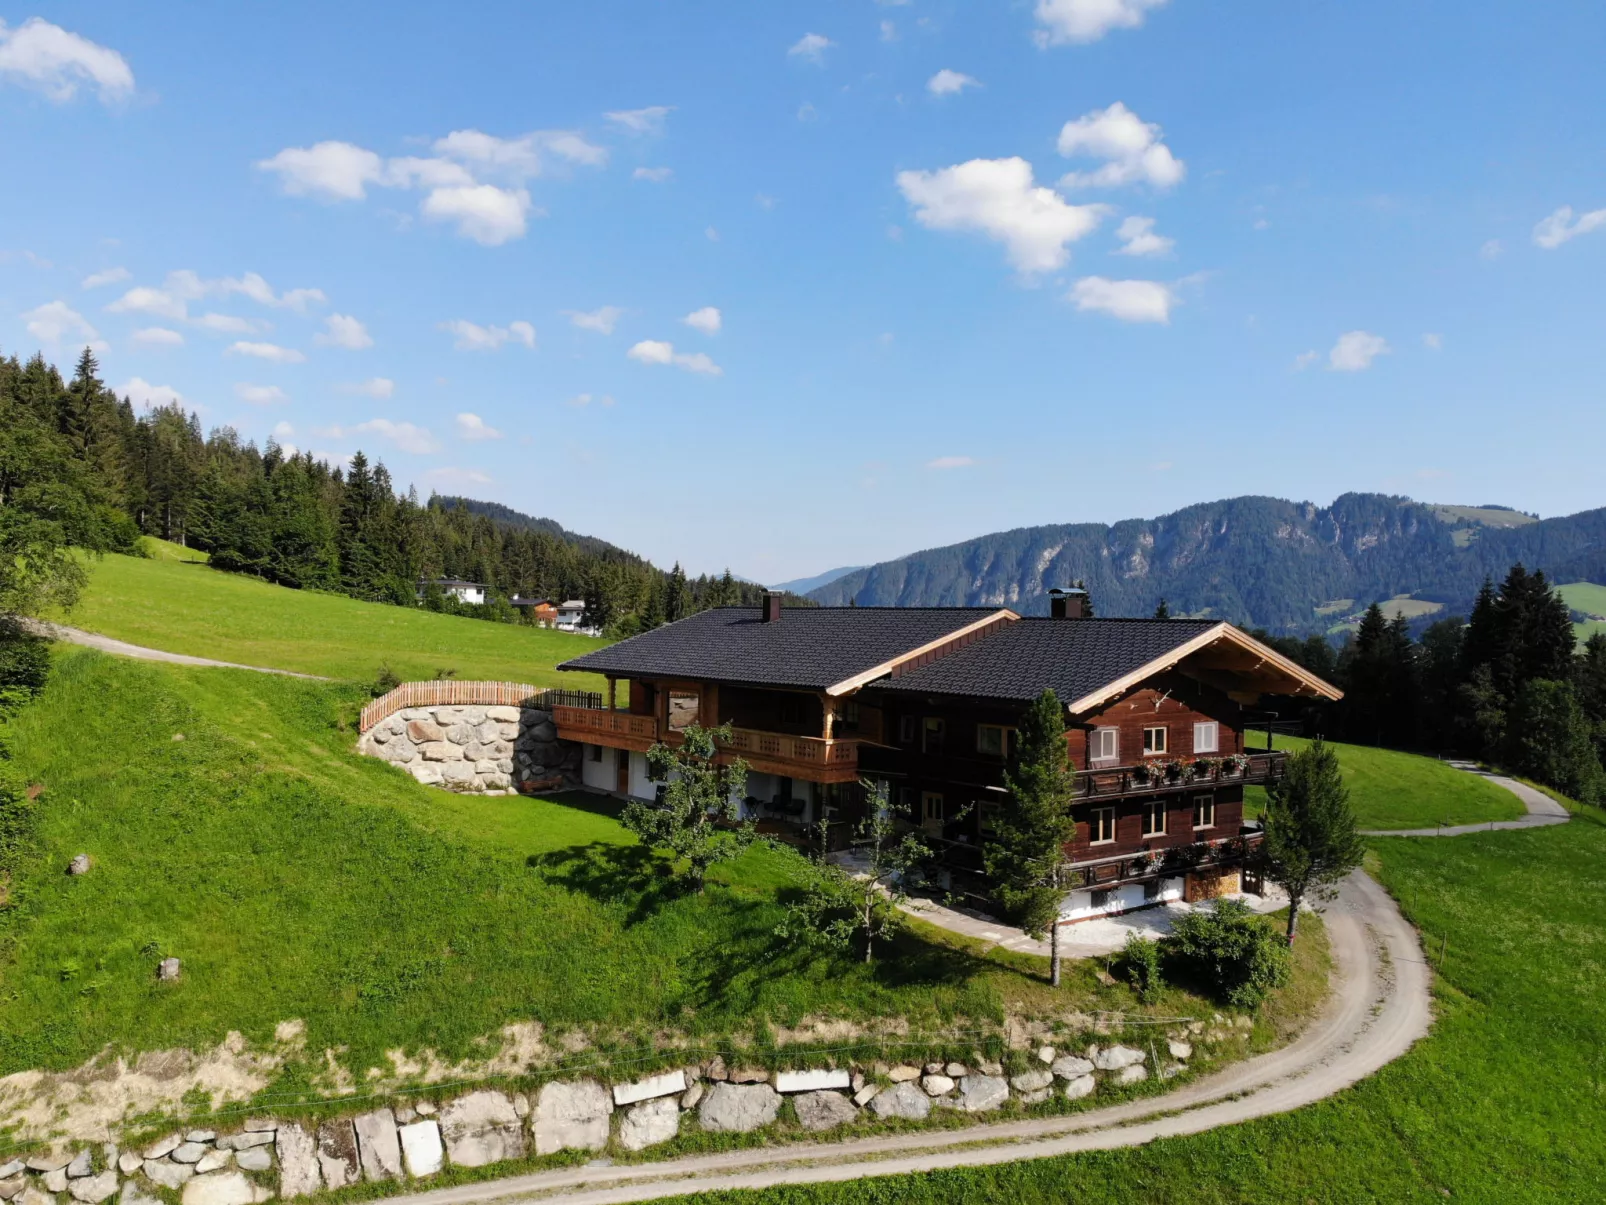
(1288, 566)
(802, 585)
(518, 519)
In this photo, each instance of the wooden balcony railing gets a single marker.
(1160, 776)
(772, 752)
(606, 723)
(755, 745)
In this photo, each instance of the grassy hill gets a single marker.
(1591, 600)
(1389, 789)
(179, 605)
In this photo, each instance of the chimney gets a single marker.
(772, 606)
(1067, 604)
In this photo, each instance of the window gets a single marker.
(1151, 889)
(791, 710)
(847, 717)
(1204, 811)
(1101, 899)
(907, 729)
(933, 731)
(931, 806)
(992, 740)
(682, 710)
(1154, 820)
(1105, 745)
(1101, 826)
(596, 752)
(1207, 737)
(1153, 741)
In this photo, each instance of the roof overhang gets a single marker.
(1227, 658)
(930, 651)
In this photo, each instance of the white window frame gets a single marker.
(1095, 826)
(1204, 807)
(1004, 733)
(930, 814)
(1097, 739)
(1165, 740)
(1207, 737)
(1152, 813)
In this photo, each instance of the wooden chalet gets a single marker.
(925, 700)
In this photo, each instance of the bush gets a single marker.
(1234, 950)
(385, 681)
(17, 814)
(1143, 967)
(24, 661)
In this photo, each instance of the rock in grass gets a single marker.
(936, 1085)
(255, 1159)
(224, 1188)
(168, 1175)
(1117, 1058)
(11, 1168)
(79, 865)
(670, 1083)
(572, 1116)
(189, 1152)
(337, 1153)
(1132, 1073)
(378, 1148)
(82, 1164)
(903, 1072)
(129, 1162)
(819, 1080)
(481, 1128)
(213, 1161)
(982, 1093)
(1036, 1098)
(738, 1108)
(132, 1195)
(92, 1190)
(1032, 1081)
(32, 1196)
(1082, 1085)
(905, 1101)
(50, 1163)
(1069, 1067)
(818, 1111)
(168, 969)
(1181, 1051)
(421, 1147)
(649, 1123)
(11, 1186)
(241, 1142)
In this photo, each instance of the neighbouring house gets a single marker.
(543, 612)
(924, 702)
(468, 592)
(571, 615)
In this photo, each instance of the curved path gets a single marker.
(1379, 1007)
(1542, 810)
(121, 648)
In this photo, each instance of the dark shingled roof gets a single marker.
(1074, 656)
(810, 647)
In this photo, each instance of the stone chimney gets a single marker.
(772, 606)
(1067, 604)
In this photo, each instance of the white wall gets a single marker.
(641, 787)
(598, 775)
(1079, 904)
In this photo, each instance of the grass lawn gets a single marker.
(1500, 1104)
(232, 826)
(1591, 600)
(185, 607)
(1389, 789)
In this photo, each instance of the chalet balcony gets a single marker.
(1159, 777)
(1175, 860)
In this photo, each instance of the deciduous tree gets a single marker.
(697, 817)
(1311, 841)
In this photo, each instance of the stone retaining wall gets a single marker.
(488, 750)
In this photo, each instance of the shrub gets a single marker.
(385, 681)
(24, 660)
(1235, 950)
(17, 815)
(1143, 967)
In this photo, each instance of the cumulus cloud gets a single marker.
(641, 121)
(1305, 359)
(142, 393)
(377, 387)
(471, 336)
(405, 436)
(602, 319)
(1063, 21)
(342, 330)
(267, 351)
(811, 46)
(225, 324)
(145, 300)
(110, 276)
(158, 336)
(474, 179)
(56, 320)
(581, 400)
(946, 82)
(1355, 351)
(1128, 300)
(951, 462)
(473, 428)
(1138, 238)
(653, 175)
(172, 300)
(708, 320)
(260, 395)
(655, 351)
(999, 198)
(48, 59)
(1563, 225)
(1131, 148)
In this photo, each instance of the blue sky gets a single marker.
(782, 287)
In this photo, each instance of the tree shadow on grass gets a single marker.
(587, 801)
(628, 875)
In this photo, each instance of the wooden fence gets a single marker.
(451, 693)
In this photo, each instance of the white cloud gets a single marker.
(582, 400)
(1128, 300)
(472, 427)
(1562, 225)
(889, 31)
(344, 331)
(708, 320)
(377, 387)
(654, 351)
(110, 276)
(48, 59)
(602, 319)
(653, 175)
(145, 300)
(225, 324)
(1131, 148)
(1305, 359)
(187, 284)
(1087, 20)
(951, 462)
(1355, 351)
(998, 198)
(1138, 238)
(470, 336)
(641, 121)
(711, 234)
(260, 395)
(456, 476)
(158, 336)
(811, 46)
(405, 436)
(946, 82)
(485, 213)
(338, 171)
(56, 320)
(267, 351)
(1491, 249)
(283, 431)
(1433, 341)
(142, 393)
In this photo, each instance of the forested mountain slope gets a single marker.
(1257, 561)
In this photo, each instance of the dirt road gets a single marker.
(122, 648)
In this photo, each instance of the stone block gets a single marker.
(129, 1162)
(460, 734)
(378, 1148)
(213, 1161)
(53, 1163)
(92, 1190)
(12, 1186)
(936, 1084)
(484, 766)
(1069, 1066)
(168, 1174)
(402, 753)
(956, 1071)
(1117, 1058)
(817, 1111)
(441, 751)
(670, 1083)
(421, 1147)
(488, 732)
(738, 1108)
(189, 1152)
(572, 1116)
(811, 1081)
(457, 772)
(424, 732)
(132, 1195)
(224, 1188)
(298, 1161)
(749, 1075)
(11, 1168)
(692, 1096)
(1132, 1073)
(32, 1196)
(473, 751)
(503, 715)
(337, 1153)
(1045, 1054)
(1082, 1085)
(983, 1093)
(481, 1128)
(903, 1100)
(649, 1123)
(1032, 1081)
(1181, 1051)
(507, 732)
(427, 772)
(81, 1164)
(902, 1073)
(242, 1142)
(1036, 1098)
(55, 1181)
(257, 1159)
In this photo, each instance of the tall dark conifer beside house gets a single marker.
(677, 596)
